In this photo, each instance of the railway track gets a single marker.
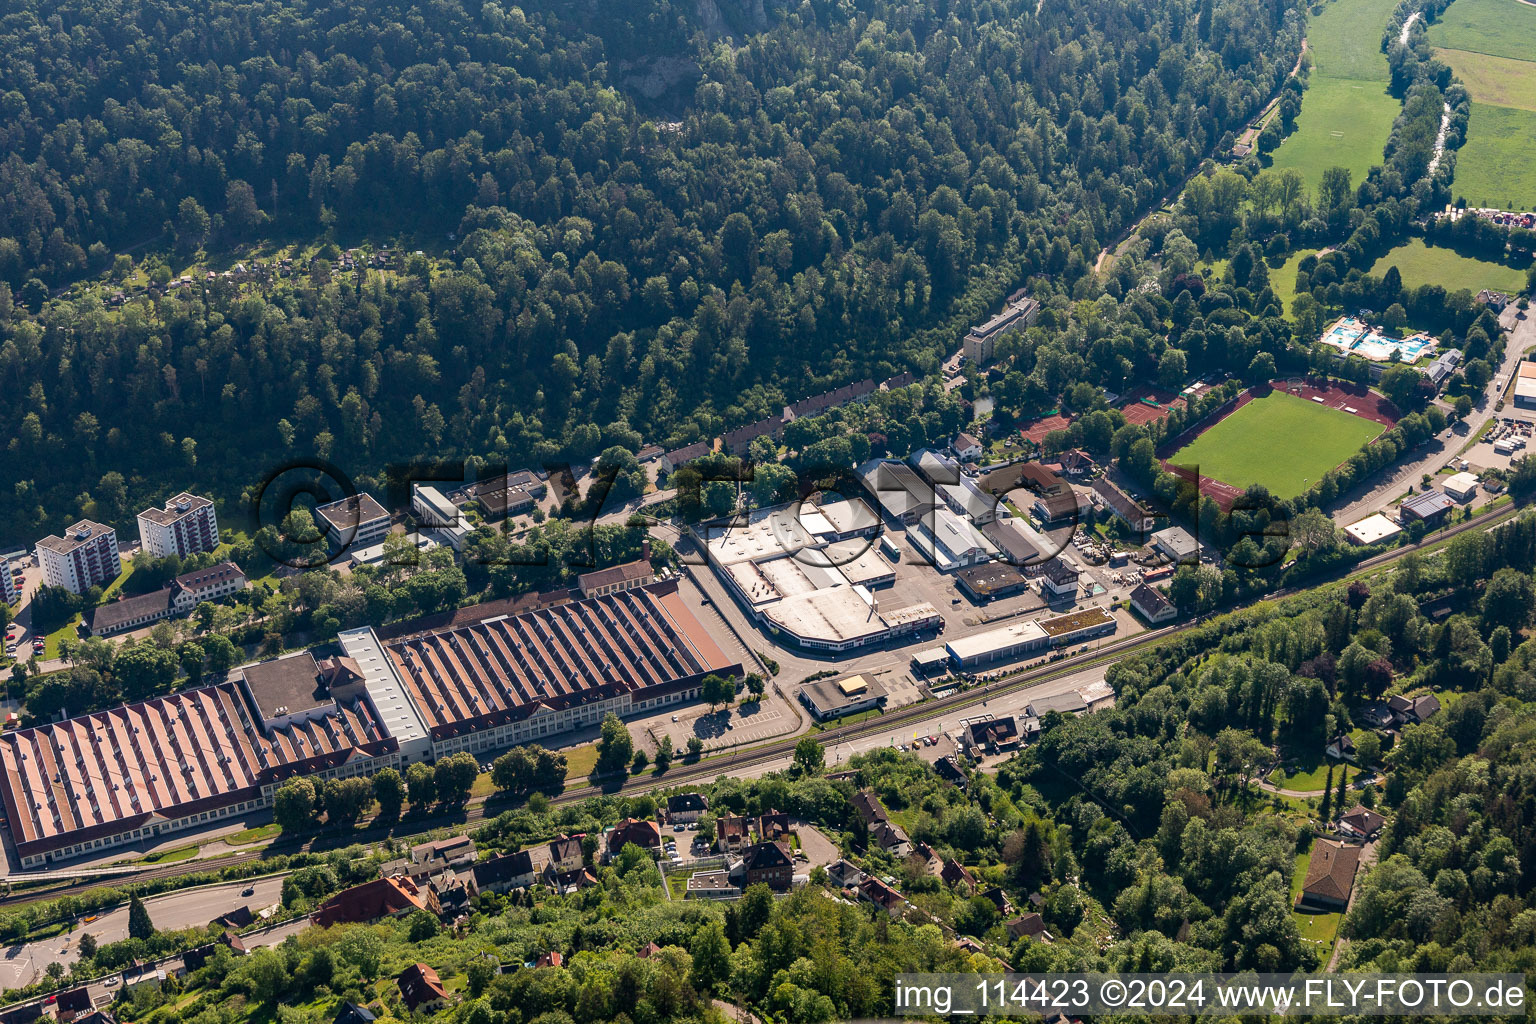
(486, 808)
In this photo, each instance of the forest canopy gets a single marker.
(656, 219)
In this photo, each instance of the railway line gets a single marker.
(683, 774)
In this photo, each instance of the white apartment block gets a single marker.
(10, 589)
(85, 556)
(185, 526)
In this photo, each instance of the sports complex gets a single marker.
(1283, 435)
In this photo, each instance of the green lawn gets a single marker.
(1343, 123)
(253, 835)
(1494, 166)
(1310, 773)
(1283, 279)
(1420, 264)
(1346, 113)
(1502, 28)
(1318, 929)
(1242, 449)
(1500, 81)
(70, 629)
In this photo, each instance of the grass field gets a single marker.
(1498, 81)
(1494, 166)
(1244, 448)
(1283, 279)
(1346, 113)
(1502, 28)
(1419, 264)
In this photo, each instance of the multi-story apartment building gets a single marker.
(85, 556)
(10, 586)
(185, 526)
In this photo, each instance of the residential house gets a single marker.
(773, 825)
(1152, 605)
(72, 1004)
(503, 874)
(1360, 822)
(565, 854)
(686, 808)
(422, 990)
(647, 951)
(643, 834)
(949, 770)
(883, 896)
(770, 863)
(891, 838)
(1000, 900)
(967, 448)
(1341, 748)
(381, 897)
(732, 833)
(1028, 925)
(924, 859)
(1330, 875)
(675, 459)
(351, 1013)
(553, 958)
(1412, 710)
(843, 874)
(429, 858)
(955, 875)
(568, 882)
(1138, 517)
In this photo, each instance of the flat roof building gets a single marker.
(1177, 543)
(186, 525)
(501, 496)
(355, 521)
(1372, 530)
(982, 583)
(1525, 384)
(83, 558)
(827, 698)
(1003, 643)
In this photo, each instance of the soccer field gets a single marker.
(1280, 441)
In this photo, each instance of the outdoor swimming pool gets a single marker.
(1355, 337)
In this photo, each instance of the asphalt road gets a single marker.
(21, 965)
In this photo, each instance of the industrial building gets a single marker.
(515, 678)
(827, 699)
(181, 761)
(1461, 486)
(982, 583)
(1005, 643)
(950, 542)
(1429, 507)
(896, 487)
(1525, 384)
(145, 770)
(1372, 530)
(789, 567)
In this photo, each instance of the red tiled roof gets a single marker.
(644, 641)
(376, 898)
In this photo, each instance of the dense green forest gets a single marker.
(665, 218)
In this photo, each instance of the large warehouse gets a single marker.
(510, 679)
(808, 580)
(178, 762)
